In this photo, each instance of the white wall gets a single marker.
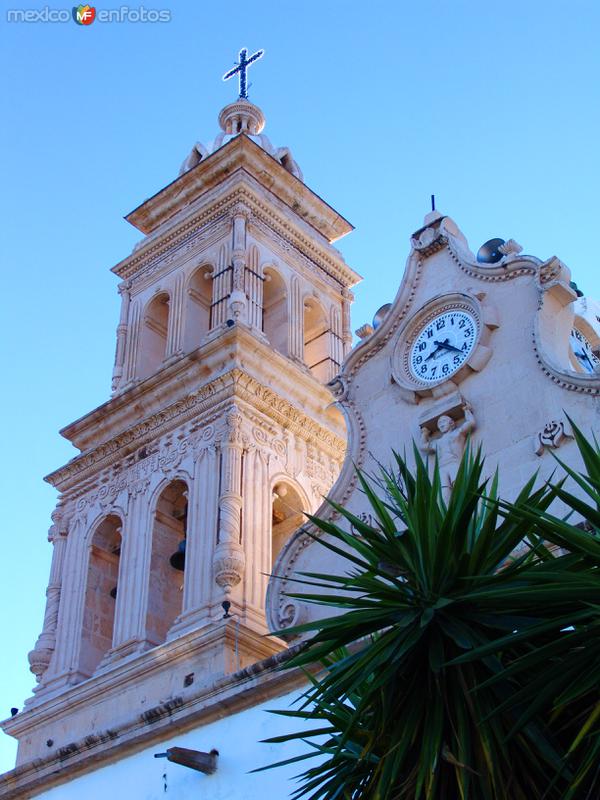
(237, 737)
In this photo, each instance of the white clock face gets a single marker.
(582, 350)
(443, 346)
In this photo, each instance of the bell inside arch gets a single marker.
(177, 560)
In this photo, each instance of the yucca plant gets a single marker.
(562, 676)
(431, 686)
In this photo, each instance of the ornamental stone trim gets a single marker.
(233, 383)
(135, 264)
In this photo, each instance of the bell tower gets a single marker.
(219, 433)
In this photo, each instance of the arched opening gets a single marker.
(286, 516)
(275, 311)
(100, 593)
(167, 561)
(153, 339)
(316, 340)
(199, 299)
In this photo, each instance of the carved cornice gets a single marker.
(192, 246)
(181, 233)
(235, 383)
(510, 266)
(281, 246)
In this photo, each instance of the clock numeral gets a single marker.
(445, 369)
(433, 371)
(462, 323)
(468, 332)
(418, 359)
(429, 333)
(422, 346)
(456, 360)
(440, 323)
(424, 369)
(465, 346)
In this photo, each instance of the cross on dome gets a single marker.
(241, 69)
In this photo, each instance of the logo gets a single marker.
(84, 15)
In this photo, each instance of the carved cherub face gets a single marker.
(445, 423)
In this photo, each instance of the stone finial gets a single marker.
(510, 247)
(365, 331)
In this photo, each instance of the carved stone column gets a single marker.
(174, 345)
(121, 335)
(228, 559)
(132, 588)
(238, 302)
(200, 542)
(63, 667)
(257, 528)
(39, 657)
(348, 297)
(131, 345)
(296, 317)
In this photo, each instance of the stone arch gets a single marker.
(198, 304)
(288, 502)
(103, 561)
(152, 347)
(316, 339)
(167, 557)
(275, 321)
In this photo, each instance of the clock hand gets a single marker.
(447, 346)
(588, 359)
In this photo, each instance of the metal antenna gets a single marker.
(241, 69)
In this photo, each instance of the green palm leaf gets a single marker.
(456, 630)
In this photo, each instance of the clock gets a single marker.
(585, 358)
(442, 345)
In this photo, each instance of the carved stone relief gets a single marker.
(550, 437)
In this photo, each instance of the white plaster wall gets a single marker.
(236, 737)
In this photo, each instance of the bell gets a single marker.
(177, 560)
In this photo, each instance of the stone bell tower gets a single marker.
(219, 433)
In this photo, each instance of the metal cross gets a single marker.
(242, 68)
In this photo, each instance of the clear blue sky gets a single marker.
(491, 106)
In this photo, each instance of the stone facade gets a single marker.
(522, 373)
(233, 341)
(219, 433)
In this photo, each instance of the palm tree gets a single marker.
(463, 655)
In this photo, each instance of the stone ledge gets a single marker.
(226, 695)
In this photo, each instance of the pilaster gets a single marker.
(132, 587)
(296, 320)
(174, 344)
(200, 543)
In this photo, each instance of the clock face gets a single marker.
(442, 346)
(582, 350)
